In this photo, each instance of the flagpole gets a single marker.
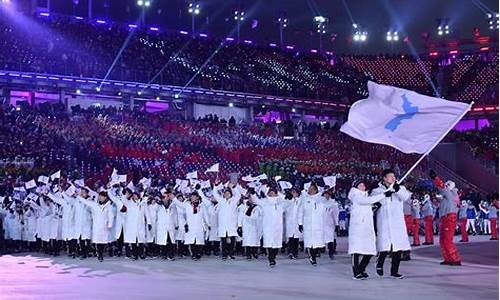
(436, 143)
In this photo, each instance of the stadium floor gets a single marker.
(42, 277)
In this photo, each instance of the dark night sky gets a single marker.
(411, 17)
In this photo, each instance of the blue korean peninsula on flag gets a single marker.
(403, 119)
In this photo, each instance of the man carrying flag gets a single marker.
(411, 123)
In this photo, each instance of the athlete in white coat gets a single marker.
(68, 219)
(331, 223)
(196, 223)
(152, 207)
(115, 195)
(249, 225)
(312, 214)
(137, 221)
(166, 226)
(361, 239)
(83, 223)
(102, 221)
(391, 227)
(273, 206)
(292, 223)
(227, 218)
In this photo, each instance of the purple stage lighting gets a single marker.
(203, 35)
(132, 26)
(289, 47)
(183, 32)
(101, 21)
(44, 14)
(154, 28)
(248, 42)
(229, 39)
(272, 45)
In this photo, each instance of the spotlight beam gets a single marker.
(118, 55)
(412, 48)
(348, 11)
(211, 56)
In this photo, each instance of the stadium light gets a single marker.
(360, 36)
(392, 36)
(239, 16)
(194, 9)
(321, 26)
(443, 27)
(283, 23)
(143, 4)
(492, 21)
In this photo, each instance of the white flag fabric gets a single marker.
(146, 182)
(30, 184)
(248, 178)
(285, 185)
(80, 182)
(214, 168)
(71, 190)
(261, 177)
(121, 178)
(43, 179)
(56, 175)
(114, 174)
(403, 119)
(330, 181)
(192, 175)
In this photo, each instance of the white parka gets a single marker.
(251, 226)
(312, 216)
(30, 222)
(291, 218)
(166, 224)
(272, 219)
(118, 225)
(136, 220)
(391, 227)
(331, 220)
(227, 213)
(197, 223)
(361, 239)
(68, 214)
(151, 234)
(102, 220)
(83, 220)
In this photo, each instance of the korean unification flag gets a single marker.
(403, 119)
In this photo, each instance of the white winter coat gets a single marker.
(198, 223)
(166, 224)
(102, 220)
(272, 219)
(251, 226)
(361, 239)
(68, 214)
(227, 213)
(391, 227)
(83, 220)
(136, 221)
(312, 217)
(291, 218)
